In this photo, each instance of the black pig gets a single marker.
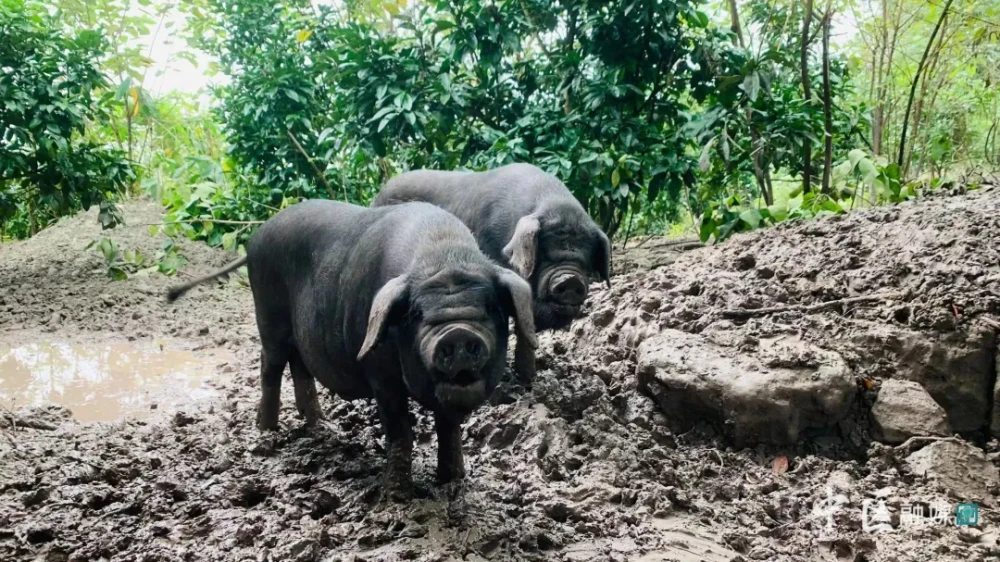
(527, 220)
(389, 303)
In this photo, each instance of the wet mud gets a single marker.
(586, 465)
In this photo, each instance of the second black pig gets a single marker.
(527, 220)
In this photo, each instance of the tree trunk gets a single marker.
(913, 87)
(883, 112)
(878, 77)
(734, 19)
(32, 223)
(759, 172)
(827, 101)
(807, 96)
(922, 106)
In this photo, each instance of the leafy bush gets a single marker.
(597, 93)
(49, 84)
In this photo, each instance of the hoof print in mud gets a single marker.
(767, 396)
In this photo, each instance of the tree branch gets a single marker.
(742, 313)
(319, 174)
(827, 101)
(807, 95)
(913, 86)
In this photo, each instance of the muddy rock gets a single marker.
(767, 395)
(958, 468)
(904, 409)
(955, 368)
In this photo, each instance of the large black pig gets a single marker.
(527, 220)
(389, 303)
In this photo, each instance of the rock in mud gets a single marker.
(955, 368)
(957, 467)
(767, 395)
(905, 409)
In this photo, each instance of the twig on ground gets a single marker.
(81, 461)
(752, 312)
(912, 443)
(192, 221)
(990, 322)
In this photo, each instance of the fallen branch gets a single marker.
(918, 442)
(752, 312)
(990, 322)
(193, 221)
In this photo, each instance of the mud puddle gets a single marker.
(103, 382)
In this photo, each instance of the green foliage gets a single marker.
(597, 93)
(49, 87)
(860, 180)
(121, 264)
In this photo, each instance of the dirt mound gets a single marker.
(583, 466)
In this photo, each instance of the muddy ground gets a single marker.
(585, 466)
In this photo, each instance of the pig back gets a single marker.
(490, 203)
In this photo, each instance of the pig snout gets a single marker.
(568, 289)
(460, 350)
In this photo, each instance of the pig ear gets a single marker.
(391, 295)
(519, 292)
(520, 251)
(602, 257)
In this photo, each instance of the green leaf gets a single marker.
(707, 230)
(655, 186)
(117, 273)
(705, 162)
(109, 249)
(855, 156)
(751, 85)
(616, 178)
(623, 190)
(154, 229)
(842, 170)
(752, 217)
(229, 240)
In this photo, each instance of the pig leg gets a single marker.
(395, 418)
(451, 463)
(272, 366)
(306, 399)
(524, 360)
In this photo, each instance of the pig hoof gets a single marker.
(525, 374)
(267, 422)
(312, 414)
(450, 474)
(524, 364)
(313, 418)
(399, 493)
